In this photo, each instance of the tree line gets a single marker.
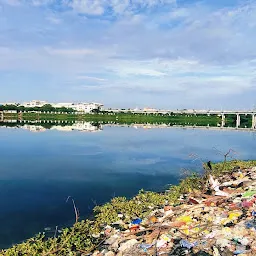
(44, 108)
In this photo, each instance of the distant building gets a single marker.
(80, 107)
(34, 103)
(150, 109)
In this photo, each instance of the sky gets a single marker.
(167, 54)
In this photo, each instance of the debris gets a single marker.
(186, 244)
(127, 245)
(145, 247)
(220, 220)
(136, 221)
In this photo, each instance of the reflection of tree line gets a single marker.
(51, 125)
(98, 125)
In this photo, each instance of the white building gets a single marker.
(80, 107)
(61, 105)
(34, 103)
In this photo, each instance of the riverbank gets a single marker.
(131, 118)
(113, 220)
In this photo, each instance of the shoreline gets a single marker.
(85, 235)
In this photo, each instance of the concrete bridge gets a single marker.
(221, 113)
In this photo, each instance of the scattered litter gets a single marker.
(220, 220)
(136, 221)
(186, 244)
(145, 247)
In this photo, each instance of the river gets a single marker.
(39, 170)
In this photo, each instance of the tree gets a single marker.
(47, 107)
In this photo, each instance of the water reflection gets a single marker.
(83, 126)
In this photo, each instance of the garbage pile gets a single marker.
(220, 220)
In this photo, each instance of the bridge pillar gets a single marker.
(238, 120)
(253, 121)
(222, 120)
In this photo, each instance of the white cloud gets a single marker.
(83, 77)
(95, 7)
(79, 52)
(53, 20)
(99, 7)
(11, 2)
(41, 2)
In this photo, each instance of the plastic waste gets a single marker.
(161, 243)
(221, 193)
(127, 245)
(186, 244)
(247, 204)
(250, 224)
(193, 201)
(167, 208)
(239, 250)
(249, 193)
(215, 185)
(165, 238)
(216, 251)
(185, 219)
(145, 247)
(136, 221)
(211, 235)
(134, 228)
(234, 215)
(120, 215)
(153, 219)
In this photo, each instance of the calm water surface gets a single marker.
(38, 171)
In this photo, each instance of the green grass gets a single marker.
(124, 118)
(80, 237)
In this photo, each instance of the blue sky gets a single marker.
(129, 53)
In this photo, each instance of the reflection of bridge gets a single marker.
(149, 126)
(238, 113)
